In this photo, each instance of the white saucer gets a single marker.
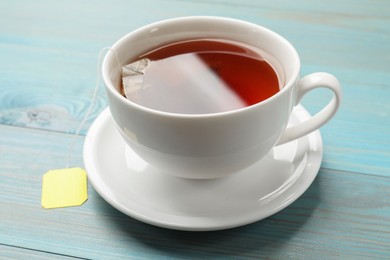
(132, 186)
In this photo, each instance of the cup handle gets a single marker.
(305, 84)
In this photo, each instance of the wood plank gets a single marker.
(10, 252)
(342, 215)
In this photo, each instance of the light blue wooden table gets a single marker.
(48, 56)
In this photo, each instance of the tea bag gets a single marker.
(132, 76)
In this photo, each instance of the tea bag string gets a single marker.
(93, 100)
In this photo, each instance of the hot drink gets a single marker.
(204, 76)
(255, 75)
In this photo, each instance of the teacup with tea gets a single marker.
(214, 94)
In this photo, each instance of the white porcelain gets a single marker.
(145, 193)
(212, 145)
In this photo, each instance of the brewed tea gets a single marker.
(204, 76)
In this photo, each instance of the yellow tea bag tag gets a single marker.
(64, 188)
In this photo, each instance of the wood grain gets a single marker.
(10, 252)
(48, 60)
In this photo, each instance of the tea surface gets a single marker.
(204, 76)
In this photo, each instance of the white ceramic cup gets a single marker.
(212, 145)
